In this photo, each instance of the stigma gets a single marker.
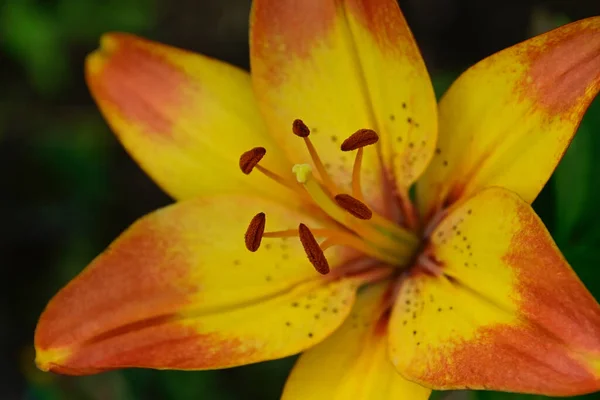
(355, 224)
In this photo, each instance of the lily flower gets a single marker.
(294, 231)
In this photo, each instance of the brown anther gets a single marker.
(300, 129)
(353, 206)
(255, 231)
(249, 159)
(313, 250)
(360, 138)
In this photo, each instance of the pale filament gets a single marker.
(356, 187)
(334, 238)
(378, 242)
(327, 181)
(369, 232)
(288, 183)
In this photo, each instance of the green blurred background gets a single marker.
(69, 188)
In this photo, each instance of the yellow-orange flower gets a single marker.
(313, 155)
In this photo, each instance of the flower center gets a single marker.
(349, 221)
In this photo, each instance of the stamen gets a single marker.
(336, 237)
(300, 129)
(327, 243)
(255, 231)
(369, 232)
(281, 234)
(354, 206)
(356, 187)
(340, 238)
(251, 158)
(359, 139)
(277, 178)
(313, 251)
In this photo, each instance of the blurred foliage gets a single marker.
(81, 180)
(39, 34)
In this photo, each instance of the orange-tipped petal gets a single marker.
(398, 86)
(342, 66)
(182, 116)
(180, 290)
(499, 307)
(508, 120)
(353, 362)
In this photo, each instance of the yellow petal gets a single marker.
(353, 363)
(505, 311)
(341, 66)
(178, 289)
(508, 120)
(185, 118)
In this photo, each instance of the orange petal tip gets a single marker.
(109, 44)
(48, 360)
(138, 84)
(565, 67)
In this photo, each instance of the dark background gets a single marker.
(68, 188)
